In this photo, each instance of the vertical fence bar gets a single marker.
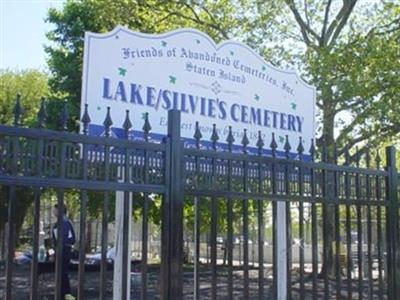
(60, 264)
(104, 220)
(146, 129)
(165, 225)
(82, 216)
(314, 250)
(369, 230)
(144, 245)
(230, 141)
(245, 207)
(12, 198)
(82, 244)
(230, 244)
(213, 240)
(359, 252)
(326, 218)
(35, 244)
(287, 191)
(126, 238)
(36, 222)
(379, 227)
(337, 254)
(172, 223)
(314, 227)
(359, 234)
(214, 215)
(197, 136)
(274, 174)
(260, 219)
(348, 230)
(393, 224)
(36, 209)
(197, 246)
(61, 209)
(145, 237)
(300, 150)
(59, 246)
(336, 182)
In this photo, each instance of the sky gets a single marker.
(22, 33)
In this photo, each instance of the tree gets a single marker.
(32, 85)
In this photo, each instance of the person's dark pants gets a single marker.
(65, 287)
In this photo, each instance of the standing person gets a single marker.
(68, 240)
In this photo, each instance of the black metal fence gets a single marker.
(350, 214)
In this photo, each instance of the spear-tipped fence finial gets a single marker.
(197, 135)
(63, 121)
(245, 141)
(42, 114)
(287, 147)
(273, 145)
(127, 124)
(17, 110)
(230, 139)
(214, 137)
(146, 127)
(312, 150)
(107, 123)
(260, 143)
(85, 120)
(300, 148)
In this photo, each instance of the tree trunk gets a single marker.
(327, 141)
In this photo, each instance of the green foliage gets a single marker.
(32, 85)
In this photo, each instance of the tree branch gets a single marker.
(306, 13)
(304, 28)
(341, 22)
(357, 120)
(326, 19)
(351, 105)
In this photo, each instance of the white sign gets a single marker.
(225, 84)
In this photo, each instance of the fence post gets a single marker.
(393, 224)
(172, 213)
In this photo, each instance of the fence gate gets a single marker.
(234, 224)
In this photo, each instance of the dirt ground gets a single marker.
(21, 285)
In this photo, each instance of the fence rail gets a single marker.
(350, 212)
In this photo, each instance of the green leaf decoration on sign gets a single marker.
(281, 139)
(98, 107)
(256, 97)
(121, 71)
(163, 43)
(144, 115)
(263, 68)
(293, 105)
(232, 53)
(172, 79)
(197, 41)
